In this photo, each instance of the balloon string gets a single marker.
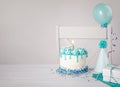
(106, 34)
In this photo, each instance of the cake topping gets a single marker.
(75, 52)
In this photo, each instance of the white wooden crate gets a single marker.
(88, 33)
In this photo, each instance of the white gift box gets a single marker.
(114, 80)
(111, 74)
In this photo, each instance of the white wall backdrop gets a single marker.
(28, 27)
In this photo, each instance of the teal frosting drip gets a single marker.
(66, 51)
(65, 56)
(75, 52)
(70, 56)
(80, 52)
(77, 59)
(62, 51)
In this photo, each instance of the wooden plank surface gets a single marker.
(42, 76)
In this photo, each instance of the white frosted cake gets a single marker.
(73, 61)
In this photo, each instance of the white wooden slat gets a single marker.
(57, 41)
(82, 32)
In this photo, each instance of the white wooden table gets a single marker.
(42, 76)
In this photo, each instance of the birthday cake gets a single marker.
(73, 61)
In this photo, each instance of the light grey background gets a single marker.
(28, 27)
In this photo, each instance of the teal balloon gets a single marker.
(102, 13)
